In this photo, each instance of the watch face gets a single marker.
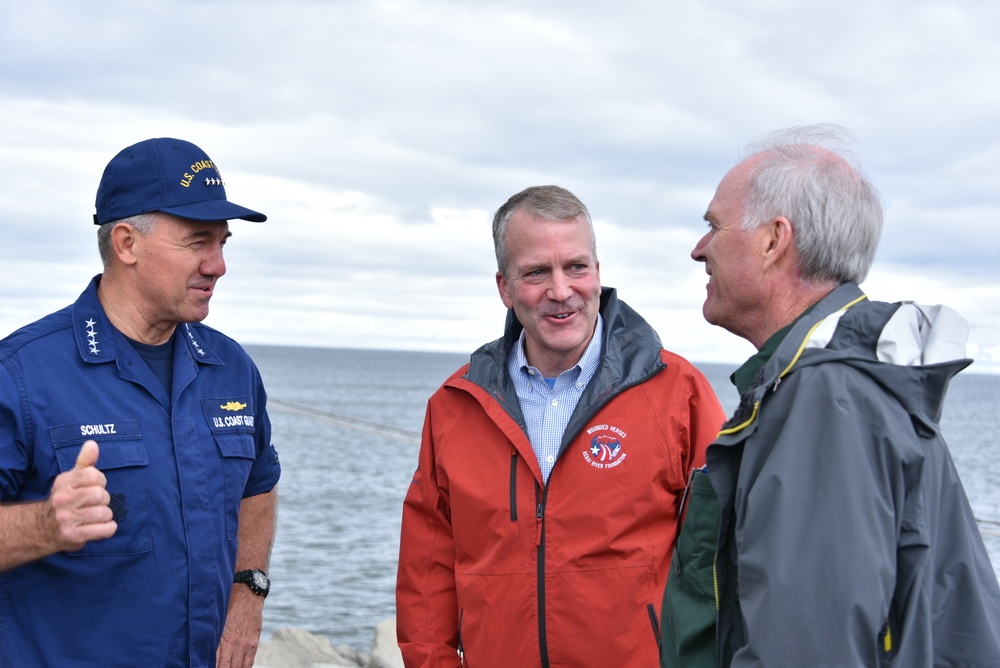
(260, 580)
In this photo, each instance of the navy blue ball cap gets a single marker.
(168, 175)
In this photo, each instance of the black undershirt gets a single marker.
(160, 360)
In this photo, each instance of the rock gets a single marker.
(297, 648)
(385, 650)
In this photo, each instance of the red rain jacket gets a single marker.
(518, 573)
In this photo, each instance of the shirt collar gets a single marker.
(588, 364)
(95, 335)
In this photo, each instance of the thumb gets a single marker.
(87, 455)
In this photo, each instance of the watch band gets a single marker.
(255, 579)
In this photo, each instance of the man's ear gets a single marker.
(503, 287)
(778, 242)
(124, 238)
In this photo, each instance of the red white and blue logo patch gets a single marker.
(606, 449)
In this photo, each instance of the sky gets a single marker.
(380, 137)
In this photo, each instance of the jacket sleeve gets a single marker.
(818, 506)
(694, 410)
(15, 453)
(706, 419)
(427, 620)
(266, 467)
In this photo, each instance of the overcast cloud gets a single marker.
(379, 137)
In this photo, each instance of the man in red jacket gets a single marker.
(538, 527)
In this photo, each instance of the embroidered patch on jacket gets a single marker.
(606, 446)
(229, 414)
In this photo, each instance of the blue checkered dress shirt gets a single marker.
(547, 410)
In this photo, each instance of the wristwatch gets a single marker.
(254, 578)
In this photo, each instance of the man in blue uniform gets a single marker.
(137, 476)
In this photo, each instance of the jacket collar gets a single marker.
(789, 350)
(845, 327)
(787, 353)
(630, 354)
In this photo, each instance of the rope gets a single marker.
(385, 430)
(989, 532)
(407, 436)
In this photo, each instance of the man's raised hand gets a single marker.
(78, 505)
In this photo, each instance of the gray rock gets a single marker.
(297, 648)
(385, 650)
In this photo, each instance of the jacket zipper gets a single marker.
(715, 577)
(656, 626)
(885, 635)
(543, 649)
(461, 649)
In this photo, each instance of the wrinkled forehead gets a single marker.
(193, 228)
(732, 190)
(738, 178)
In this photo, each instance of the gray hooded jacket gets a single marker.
(846, 537)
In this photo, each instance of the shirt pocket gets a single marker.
(124, 461)
(232, 422)
(237, 459)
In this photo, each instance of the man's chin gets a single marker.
(711, 314)
(196, 314)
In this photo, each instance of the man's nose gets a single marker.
(560, 287)
(698, 252)
(214, 264)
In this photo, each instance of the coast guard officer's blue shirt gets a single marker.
(156, 593)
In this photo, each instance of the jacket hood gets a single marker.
(911, 351)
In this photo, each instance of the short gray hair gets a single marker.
(548, 202)
(143, 224)
(811, 176)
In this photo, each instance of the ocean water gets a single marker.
(347, 427)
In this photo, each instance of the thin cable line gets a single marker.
(344, 421)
